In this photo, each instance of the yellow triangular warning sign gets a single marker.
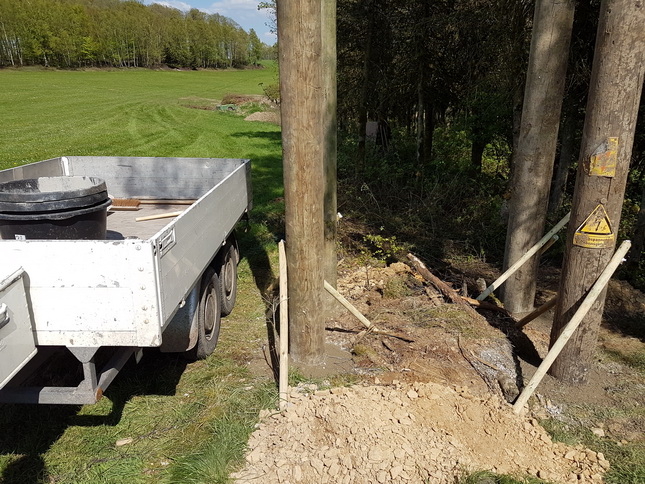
(597, 223)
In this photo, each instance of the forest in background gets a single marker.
(116, 33)
(444, 83)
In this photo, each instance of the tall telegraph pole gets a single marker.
(607, 139)
(302, 108)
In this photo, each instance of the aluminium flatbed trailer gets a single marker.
(158, 283)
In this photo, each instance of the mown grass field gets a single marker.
(163, 420)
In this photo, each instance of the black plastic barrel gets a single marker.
(63, 207)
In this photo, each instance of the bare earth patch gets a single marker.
(420, 432)
(434, 396)
(265, 116)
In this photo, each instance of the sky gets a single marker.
(244, 12)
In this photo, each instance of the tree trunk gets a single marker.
(607, 139)
(425, 121)
(301, 91)
(365, 94)
(567, 149)
(9, 47)
(517, 118)
(477, 154)
(420, 122)
(330, 138)
(428, 130)
(638, 238)
(552, 25)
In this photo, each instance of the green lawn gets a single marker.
(124, 112)
(183, 423)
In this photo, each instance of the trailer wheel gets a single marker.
(208, 316)
(228, 279)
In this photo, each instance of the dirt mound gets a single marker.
(420, 432)
(240, 99)
(265, 116)
(448, 345)
(623, 299)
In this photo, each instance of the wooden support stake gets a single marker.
(366, 322)
(531, 252)
(548, 245)
(158, 216)
(339, 297)
(283, 385)
(572, 325)
(538, 312)
(161, 201)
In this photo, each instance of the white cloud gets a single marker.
(269, 37)
(245, 13)
(184, 7)
(228, 7)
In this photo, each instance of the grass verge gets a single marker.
(163, 420)
(627, 458)
(486, 477)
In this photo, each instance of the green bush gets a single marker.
(272, 92)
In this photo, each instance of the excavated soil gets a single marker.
(406, 433)
(264, 116)
(433, 399)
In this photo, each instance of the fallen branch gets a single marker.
(361, 335)
(486, 305)
(538, 312)
(365, 332)
(446, 290)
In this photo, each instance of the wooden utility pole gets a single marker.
(533, 162)
(302, 108)
(330, 139)
(607, 140)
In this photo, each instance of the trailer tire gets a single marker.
(228, 279)
(208, 316)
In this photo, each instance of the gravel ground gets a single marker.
(405, 433)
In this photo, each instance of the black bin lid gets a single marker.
(51, 193)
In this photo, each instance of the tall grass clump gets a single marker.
(215, 458)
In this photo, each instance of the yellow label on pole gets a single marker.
(596, 231)
(602, 161)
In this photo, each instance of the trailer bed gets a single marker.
(123, 225)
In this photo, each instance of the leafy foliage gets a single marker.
(420, 65)
(120, 33)
(404, 208)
